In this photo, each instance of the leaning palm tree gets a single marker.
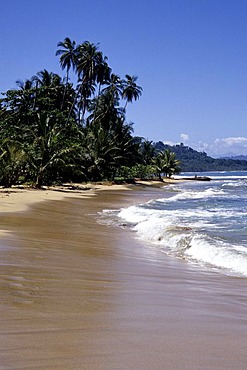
(131, 91)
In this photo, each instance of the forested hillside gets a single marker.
(191, 160)
(236, 157)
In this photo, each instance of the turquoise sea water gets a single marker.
(202, 222)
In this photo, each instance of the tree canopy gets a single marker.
(53, 130)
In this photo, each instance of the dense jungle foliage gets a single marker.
(52, 131)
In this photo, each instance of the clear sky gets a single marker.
(190, 57)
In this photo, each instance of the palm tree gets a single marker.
(49, 146)
(166, 163)
(67, 60)
(88, 58)
(50, 90)
(89, 64)
(114, 86)
(67, 55)
(26, 95)
(173, 164)
(43, 78)
(147, 152)
(130, 89)
(127, 144)
(103, 73)
(102, 152)
(24, 85)
(12, 162)
(104, 110)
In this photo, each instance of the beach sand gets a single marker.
(76, 293)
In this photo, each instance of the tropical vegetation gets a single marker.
(53, 130)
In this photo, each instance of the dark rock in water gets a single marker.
(202, 178)
(198, 178)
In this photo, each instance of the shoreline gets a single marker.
(78, 294)
(17, 199)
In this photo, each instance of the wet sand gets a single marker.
(78, 294)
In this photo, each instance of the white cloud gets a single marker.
(201, 146)
(232, 141)
(228, 146)
(184, 138)
(169, 143)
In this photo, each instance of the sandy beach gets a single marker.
(76, 293)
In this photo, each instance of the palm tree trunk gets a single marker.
(160, 178)
(66, 87)
(39, 179)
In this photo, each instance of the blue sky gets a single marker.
(190, 57)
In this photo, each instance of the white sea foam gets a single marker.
(193, 195)
(201, 222)
(183, 241)
(235, 185)
(220, 254)
(199, 216)
(180, 235)
(135, 214)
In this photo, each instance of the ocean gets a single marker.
(203, 222)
